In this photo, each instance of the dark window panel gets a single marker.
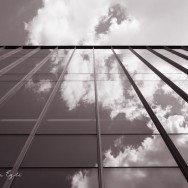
(16, 127)
(6, 86)
(25, 67)
(181, 143)
(7, 61)
(57, 178)
(3, 178)
(53, 68)
(147, 178)
(46, 73)
(135, 150)
(21, 53)
(22, 69)
(62, 151)
(68, 127)
(41, 53)
(4, 51)
(74, 100)
(27, 102)
(10, 147)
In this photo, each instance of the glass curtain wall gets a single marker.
(93, 118)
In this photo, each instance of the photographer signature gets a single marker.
(9, 175)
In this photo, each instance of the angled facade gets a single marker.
(93, 116)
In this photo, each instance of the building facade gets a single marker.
(93, 117)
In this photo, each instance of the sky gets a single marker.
(91, 22)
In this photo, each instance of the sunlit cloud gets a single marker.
(61, 22)
(41, 87)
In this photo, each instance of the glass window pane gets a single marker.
(120, 109)
(181, 143)
(135, 150)
(62, 151)
(164, 67)
(3, 175)
(146, 178)
(167, 105)
(82, 61)
(181, 51)
(22, 52)
(58, 178)
(27, 102)
(10, 147)
(65, 126)
(22, 69)
(53, 67)
(106, 62)
(176, 58)
(5, 87)
(4, 51)
(7, 61)
(74, 100)
(8, 126)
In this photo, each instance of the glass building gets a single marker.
(93, 117)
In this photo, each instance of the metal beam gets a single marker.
(99, 145)
(8, 54)
(184, 48)
(42, 115)
(14, 89)
(17, 62)
(173, 63)
(176, 53)
(174, 151)
(179, 91)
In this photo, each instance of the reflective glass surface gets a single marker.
(10, 146)
(147, 178)
(135, 150)
(58, 178)
(71, 113)
(62, 151)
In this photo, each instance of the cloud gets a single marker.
(85, 179)
(151, 152)
(61, 22)
(43, 86)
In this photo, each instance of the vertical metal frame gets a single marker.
(16, 88)
(184, 48)
(41, 117)
(98, 128)
(8, 54)
(173, 63)
(176, 53)
(174, 151)
(178, 90)
(17, 62)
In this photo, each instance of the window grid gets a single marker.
(174, 151)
